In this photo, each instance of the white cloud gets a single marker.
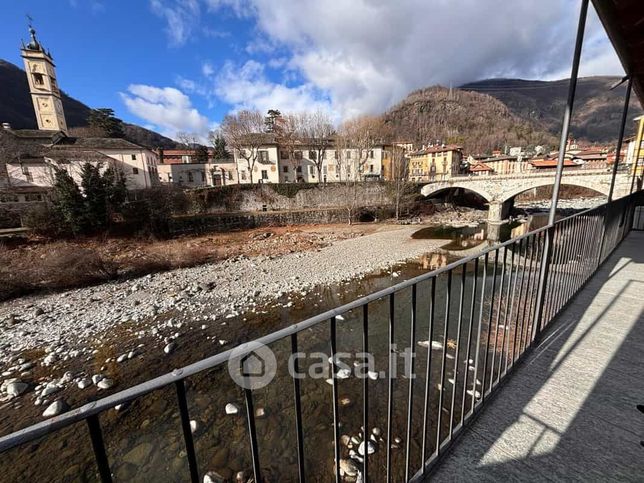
(246, 86)
(167, 108)
(367, 54)
(181, 17)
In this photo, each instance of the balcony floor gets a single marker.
(569, 411)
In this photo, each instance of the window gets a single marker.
(39, 80)
(230, 175)
(371, 154)
(371, 168)
(348, 154)
(7, 198)
(243, 175)
(263, 156)
(286, 179)
(299, 169)
(312, 171)
(264, 174)
(324, 169)
(135, 170)
(285, 169)
(28, 176)
(283, 155)
(185, 159)
(33, 197)
(191, 177)
(313, 155)
(169, 177)
(298, 154)
(335, 154)
(134, 157)
(203, 175)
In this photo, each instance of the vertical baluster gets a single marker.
(498, 318)
(478, 334)
(390, 399)
(252, 434)
(336, 411)
(489, 324)
(298, 410)
(432, 299)
(517, 327)
(410, 399)
(516, 249)
(365, 386)
(503, 358)
(187, 431)
(469, 338)
(458, 345)
(441, 391)
(100, 456)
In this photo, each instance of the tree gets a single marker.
(105, 124)
(398, 178)
(317, 131)
(218, 143)
(68, 201)
(201, 154)
(188, 139)
(243, 132)
(94, 190)
(362, 134)
(10, 150)
(288, 129)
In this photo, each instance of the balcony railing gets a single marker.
(467, 326)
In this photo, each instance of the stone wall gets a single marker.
(288, 197)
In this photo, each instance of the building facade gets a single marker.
(435, 163)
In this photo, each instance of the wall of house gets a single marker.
(139, 166)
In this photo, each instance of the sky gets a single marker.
(182, 65)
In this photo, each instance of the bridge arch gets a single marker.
(509, 194)
(435, 188)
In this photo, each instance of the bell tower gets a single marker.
(45, 94)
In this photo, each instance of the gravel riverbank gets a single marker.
(224, 290)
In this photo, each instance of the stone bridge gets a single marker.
(499, 190)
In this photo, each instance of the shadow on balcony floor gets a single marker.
(569, 412)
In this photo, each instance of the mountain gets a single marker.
(16, 109)
(596, 113)
(476, 121)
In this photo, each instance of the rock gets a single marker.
(376, 431)
(121, 358)
(194, 426)
(16, 388)
(373, 375)
(170, 347)
(345, 439)
(139, 454)
(371, 448)
(55, 408)
(96, 378)
(105, 383)
(49, 359)
(343, 374)
(83, 383)
(38, 312)
(51, 388)
(260, 412)
(348, 467)
(232, 408)
(213, 477)
(26, 366)
(345, 401)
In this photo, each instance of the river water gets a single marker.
(144, 441)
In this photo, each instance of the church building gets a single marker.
(28, 156)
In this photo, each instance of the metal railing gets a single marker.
(478, 317)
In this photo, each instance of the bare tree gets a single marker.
(10, 150)
(244, 133)
(288, 132)
(398, 178)
(317, 132)
(189, 140)
(363, 134)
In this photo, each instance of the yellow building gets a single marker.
(435, 163)
(635, 156)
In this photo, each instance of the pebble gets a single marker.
(232, 408)
(16, 388)
(371, 448)
(54, 409)
(169, 347)
(105, 383)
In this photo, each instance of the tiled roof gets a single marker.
(480, 167)
(551, 163)
(100, 143)
(436, 149)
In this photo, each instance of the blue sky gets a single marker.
(181, 65)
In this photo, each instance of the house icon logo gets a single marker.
(252, 365)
